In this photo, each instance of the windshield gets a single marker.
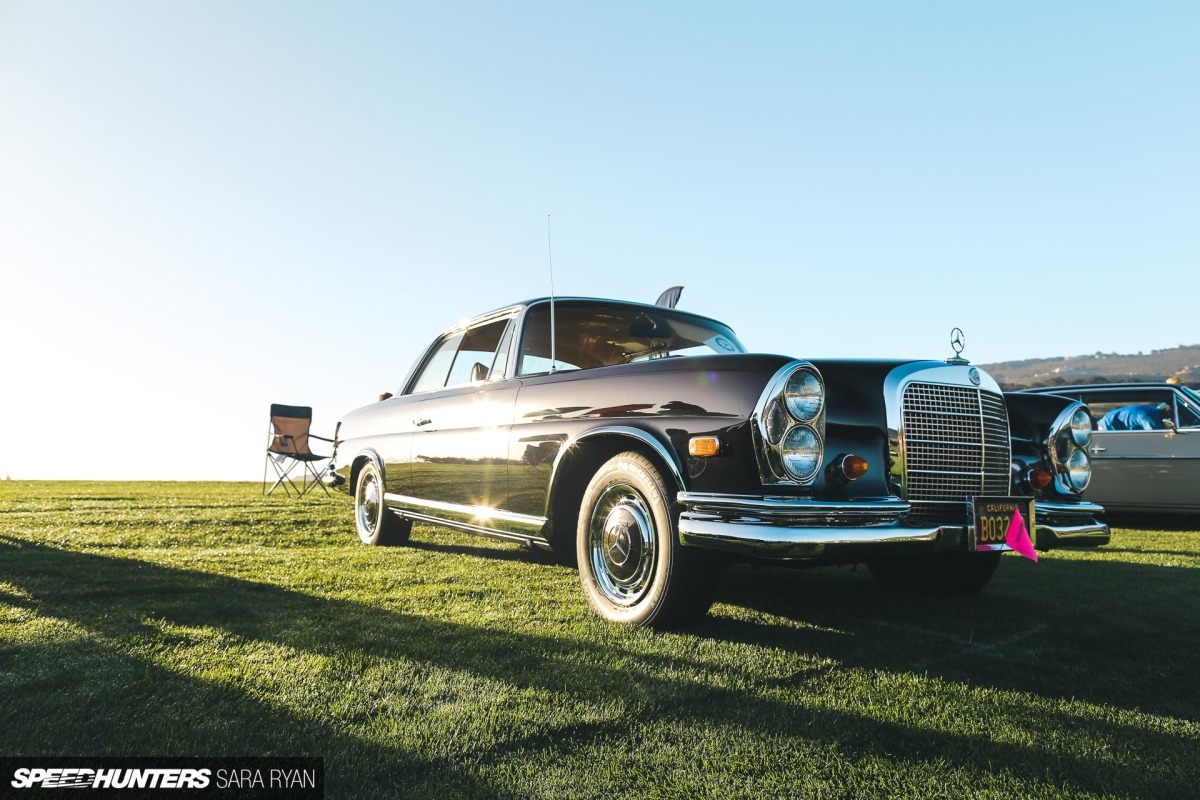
(590, 334)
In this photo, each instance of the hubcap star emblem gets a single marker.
(617, 543)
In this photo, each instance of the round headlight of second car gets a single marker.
(804, 395)
(801, 452)
(1079, 470)
(1081, 427)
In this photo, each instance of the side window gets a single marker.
(433, 375)
(1127, 410)
(477, 353)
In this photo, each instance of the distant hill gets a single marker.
(1157, 365)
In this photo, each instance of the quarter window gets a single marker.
(477, 353)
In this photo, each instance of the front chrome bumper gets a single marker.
(802, 528)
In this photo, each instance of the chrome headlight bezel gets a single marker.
(1069, 458)
(775, 422)
(794, 401)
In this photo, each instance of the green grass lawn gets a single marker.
(203, 619)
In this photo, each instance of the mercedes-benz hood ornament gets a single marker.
(958, 341)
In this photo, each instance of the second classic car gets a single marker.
(1146, 449)
(647, 445)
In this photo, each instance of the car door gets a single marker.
(1185, 444)
(395, 448)
(460, 447)
(1155, 469)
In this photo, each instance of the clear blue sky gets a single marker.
(206, 207)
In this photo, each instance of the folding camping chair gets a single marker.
(287, 447)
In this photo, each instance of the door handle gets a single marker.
(420, 422)
(1095, 449)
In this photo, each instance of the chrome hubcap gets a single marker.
(621, 545)
(369, 506)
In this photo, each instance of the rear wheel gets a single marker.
(631, 564)
(376, 523)
(947, 573)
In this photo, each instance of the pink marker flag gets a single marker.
(1017, 536)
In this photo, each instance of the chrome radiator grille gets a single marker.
(956, 446)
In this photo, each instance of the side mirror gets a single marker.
(1169, 424)
(385, 396)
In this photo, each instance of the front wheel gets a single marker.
(631, 564)
(376, 524)
(947, 573)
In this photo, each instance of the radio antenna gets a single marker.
(550, 254)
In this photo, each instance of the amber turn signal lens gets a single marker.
(702, 446)
(854, 467)
(1039, 479)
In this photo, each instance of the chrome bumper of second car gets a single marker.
(802, 528)
(1069, 525)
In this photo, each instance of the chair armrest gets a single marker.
(322, 438)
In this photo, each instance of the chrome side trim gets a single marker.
(478, 530)
(477, 519)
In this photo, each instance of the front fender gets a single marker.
(663, 451)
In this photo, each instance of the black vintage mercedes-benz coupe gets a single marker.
(647, 445)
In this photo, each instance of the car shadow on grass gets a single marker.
(1107, 632)
(103, 683)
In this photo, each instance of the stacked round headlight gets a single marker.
(801, 452)
(792, 423)
(1079, 470)
(804, 395)
(1081, 427)
(1070, 437)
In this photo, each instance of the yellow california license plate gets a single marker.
(994, 516)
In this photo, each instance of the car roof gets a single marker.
(1100, 386)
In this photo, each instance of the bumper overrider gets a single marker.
(803, 528)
